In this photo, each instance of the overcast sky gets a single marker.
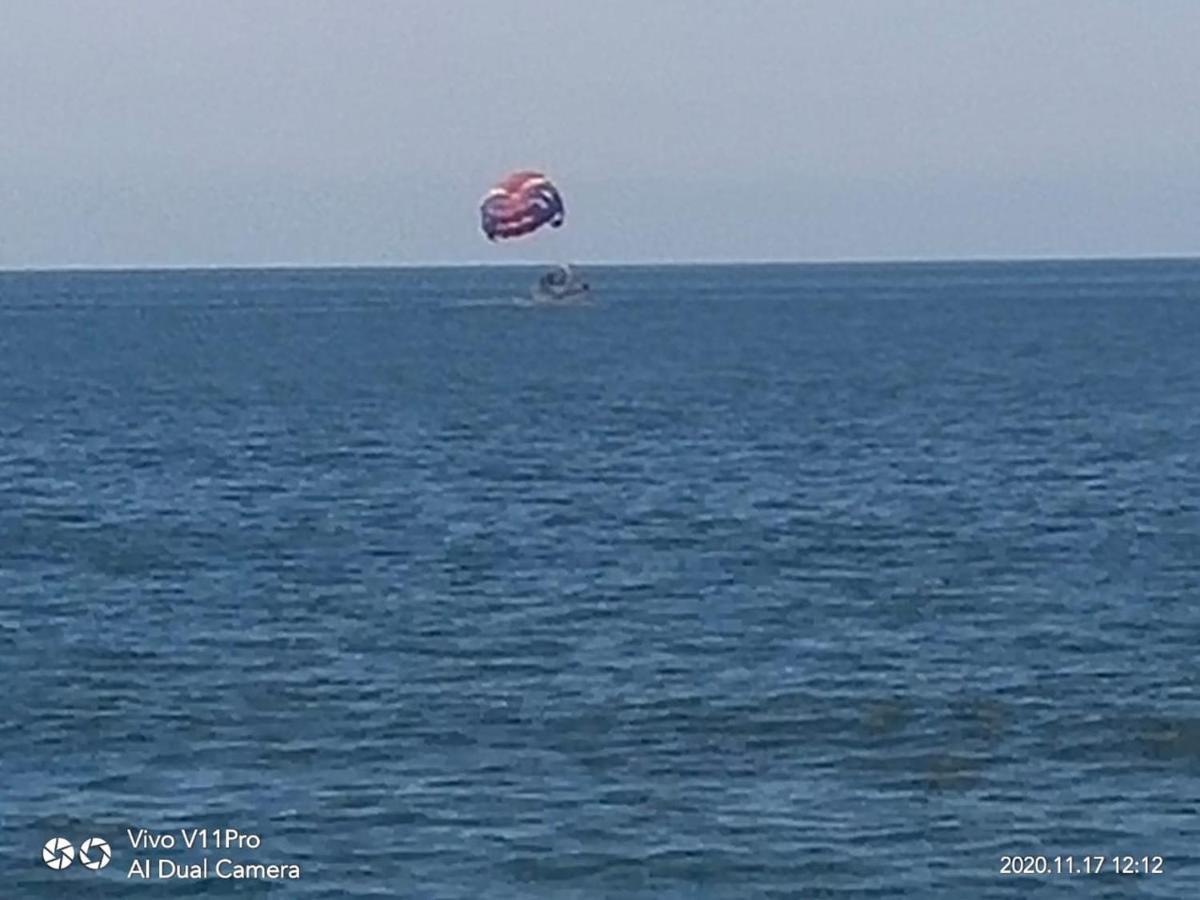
(211, 132)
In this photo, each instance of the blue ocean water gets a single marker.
(761, 581)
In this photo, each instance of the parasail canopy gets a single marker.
(519, 204)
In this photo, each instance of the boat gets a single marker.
(559, 285)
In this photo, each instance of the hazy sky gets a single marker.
(212, 132)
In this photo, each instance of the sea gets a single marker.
(761, 581)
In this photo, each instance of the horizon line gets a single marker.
(602, 263)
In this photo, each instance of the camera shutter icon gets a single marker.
(95, 853)
(58, 853)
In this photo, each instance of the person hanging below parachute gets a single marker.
(520, 204)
